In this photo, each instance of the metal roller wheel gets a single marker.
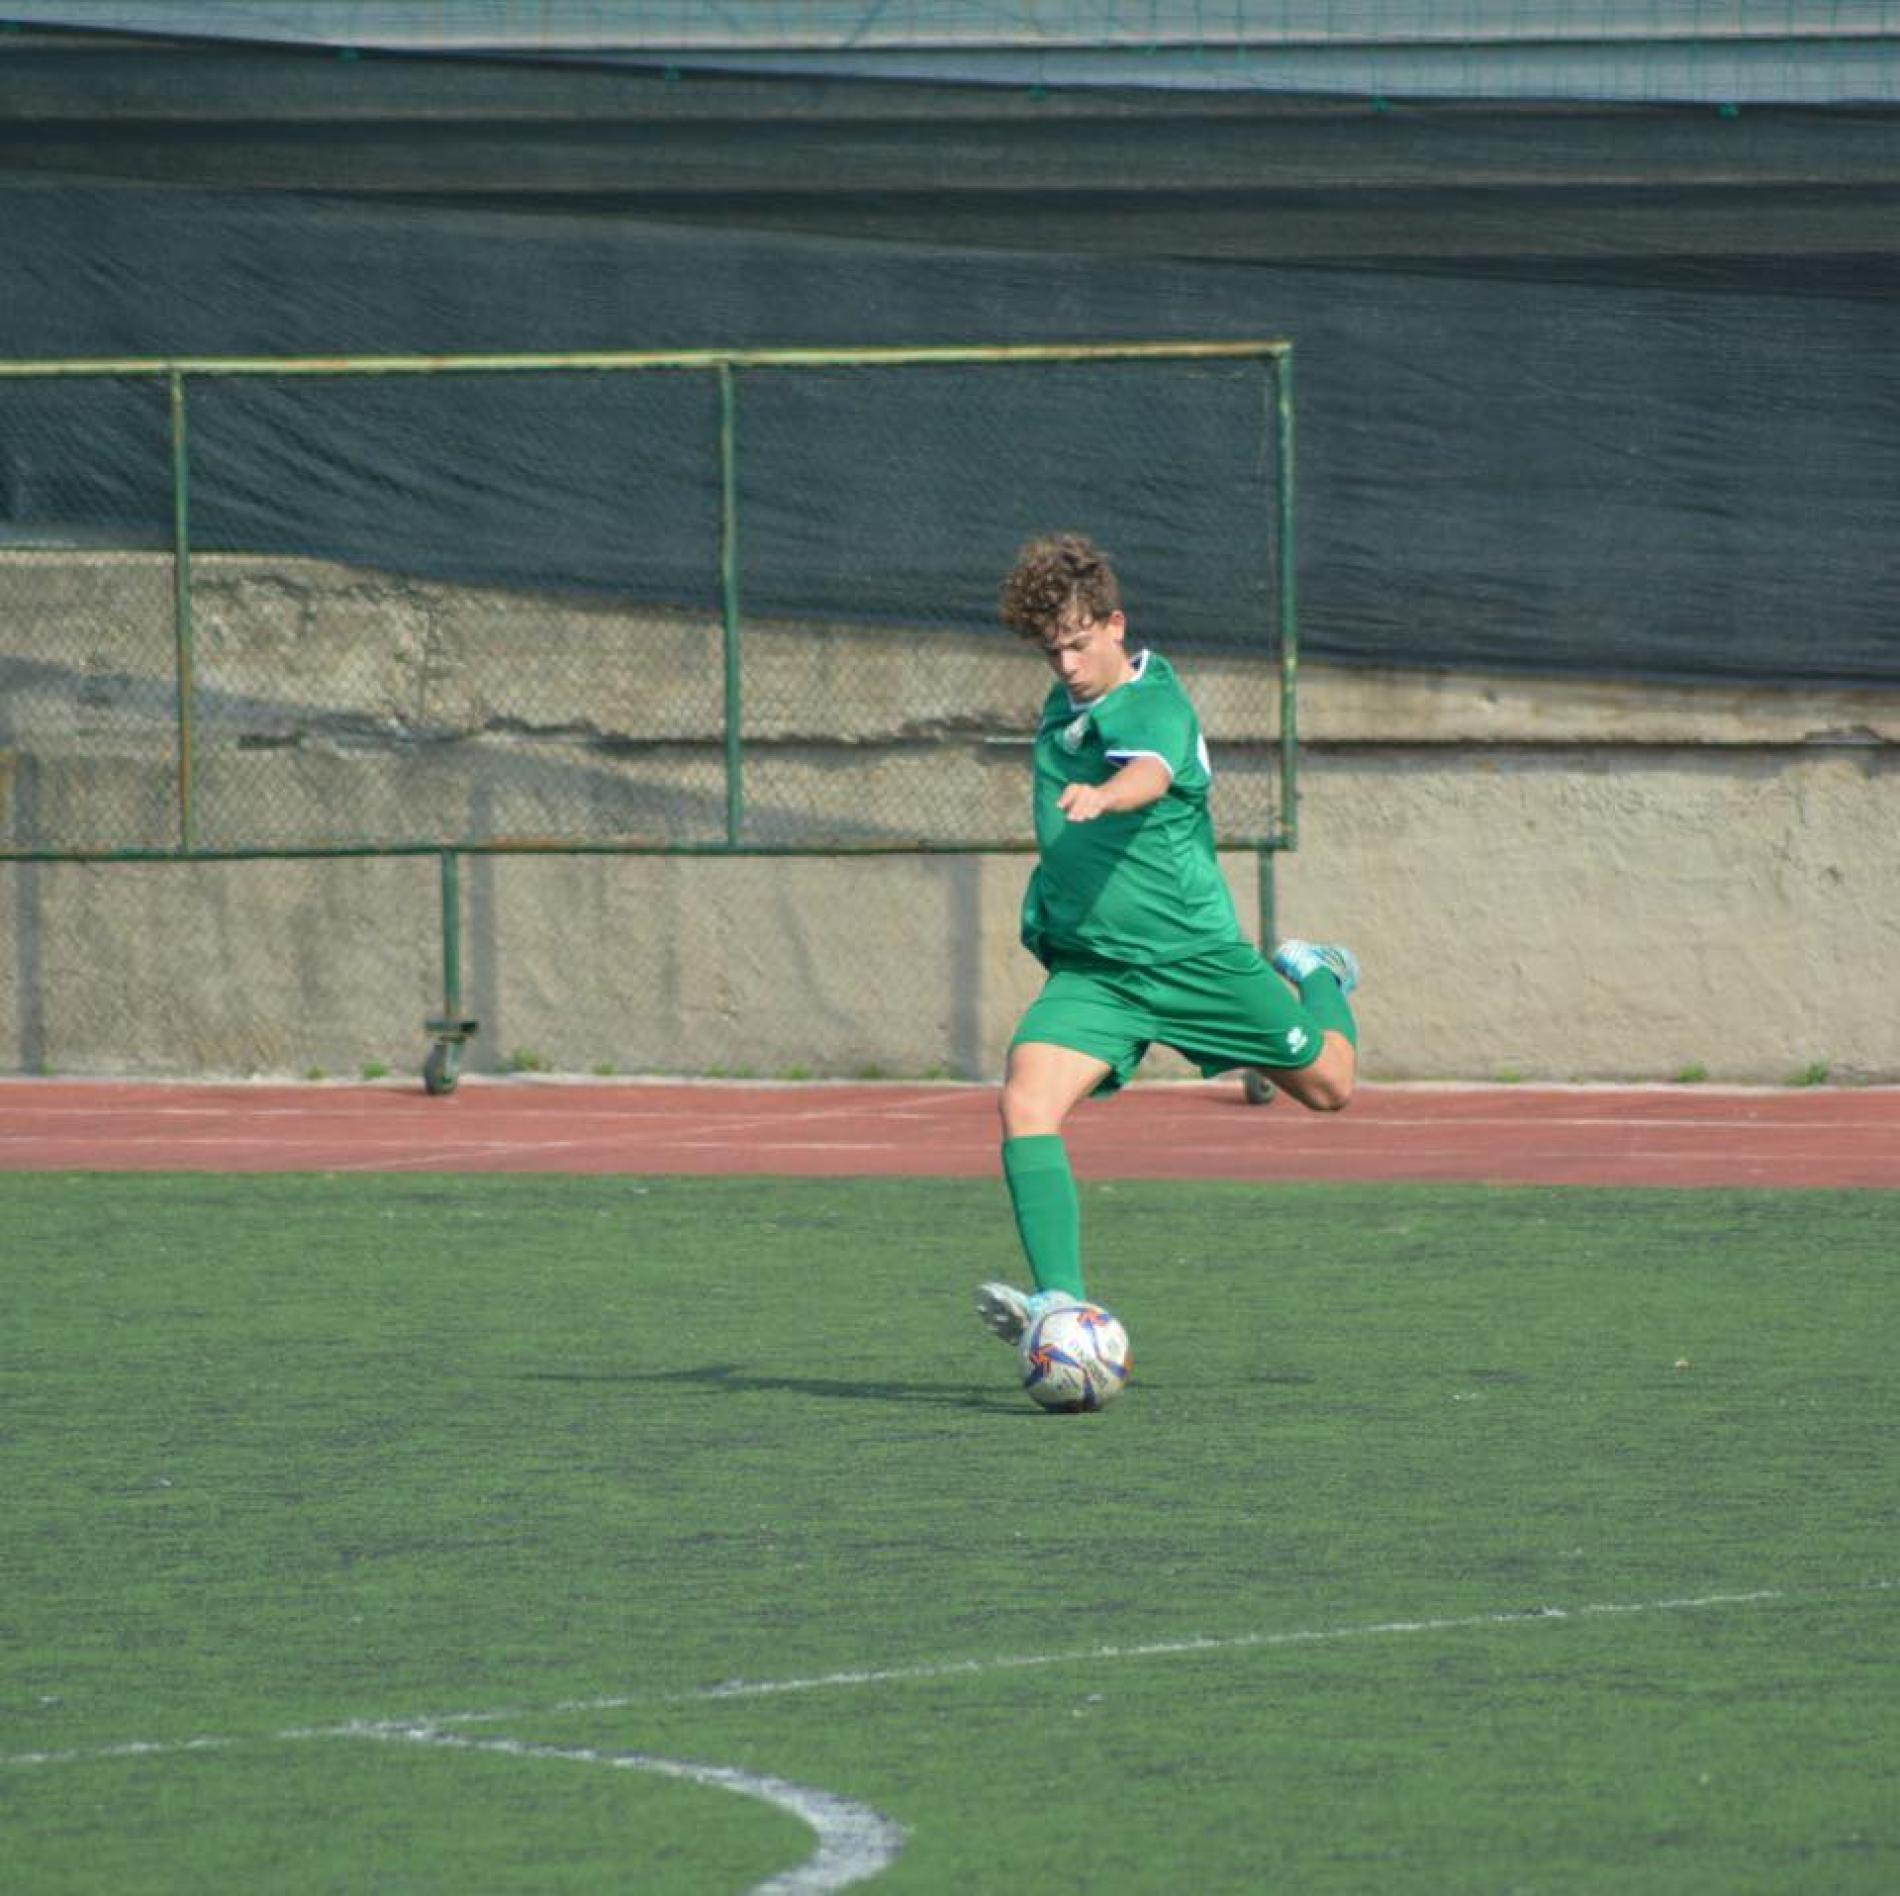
(440, 1070)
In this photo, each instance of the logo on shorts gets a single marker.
(1295, 1039)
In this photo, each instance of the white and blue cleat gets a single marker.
(1009, 1312)
(1299, 959)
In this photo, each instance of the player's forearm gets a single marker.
(1140, 782)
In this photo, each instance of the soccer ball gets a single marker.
(1075, 1358)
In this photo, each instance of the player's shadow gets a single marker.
(733, 1379)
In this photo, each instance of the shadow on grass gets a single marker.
(730, 1378)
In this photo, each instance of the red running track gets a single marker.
(1676, 1136)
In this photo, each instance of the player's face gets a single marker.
(1089, 655)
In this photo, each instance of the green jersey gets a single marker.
(1140, 886)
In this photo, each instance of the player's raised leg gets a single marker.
(1042, 1086)
(1325, 974)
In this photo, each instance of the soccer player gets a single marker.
(1129, 913)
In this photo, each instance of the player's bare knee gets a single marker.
(1324, 1087)
(1023, 1113)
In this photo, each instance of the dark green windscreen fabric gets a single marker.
(1583, 391)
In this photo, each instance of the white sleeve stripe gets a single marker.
(1128, 757)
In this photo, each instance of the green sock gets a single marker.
(1323, 998)
(1048, 1213)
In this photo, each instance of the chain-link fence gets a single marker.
(652, 604)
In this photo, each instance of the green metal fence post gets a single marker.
(1289, 606)
(1254, 1084)
(729, 603)
(451, 932)
(181, 613)
(1257, 1089)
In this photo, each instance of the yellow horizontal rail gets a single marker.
(892, 358)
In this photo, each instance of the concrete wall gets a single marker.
(1551, 880)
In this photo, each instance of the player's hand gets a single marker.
(1139, 782)
(1083, 802)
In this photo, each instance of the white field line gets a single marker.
(1167, 1649)
(927, 1670)
(1638, 1128)
(727, 1122)
(1362, 1149)
(1632, 1126)
(34, 1111)
(132, 1748)
(855, 1842)
(786, 1145)
(434, 1152)
(1693, 1113)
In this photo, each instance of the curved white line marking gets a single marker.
(855, 1842)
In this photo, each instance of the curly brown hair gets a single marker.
(1053, 575)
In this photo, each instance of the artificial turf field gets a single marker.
(415, 1534)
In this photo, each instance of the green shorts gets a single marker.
(1222, 1009)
